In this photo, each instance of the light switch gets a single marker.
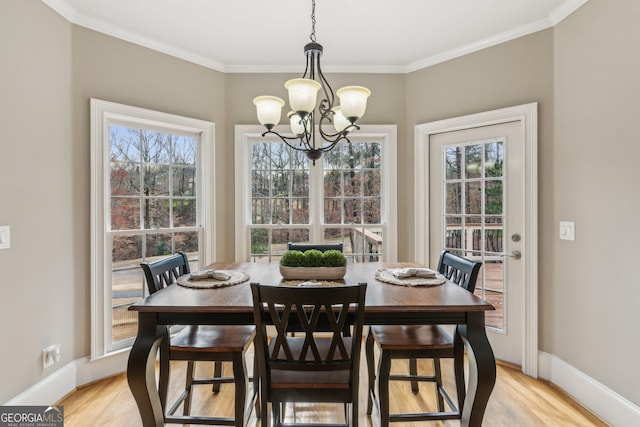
(567, 230)
(5, 237)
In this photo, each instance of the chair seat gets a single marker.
(213, 338)
(410, 337)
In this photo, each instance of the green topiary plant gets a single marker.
(312, 258)
(334, 258)
(292, 259)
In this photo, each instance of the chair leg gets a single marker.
(384, 370)
(188, 382)
(413, 371)
(241, 380)
(437, 373)
(256, 384)
(217, 373)
(371, 370)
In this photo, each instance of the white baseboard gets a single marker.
(599, 399)
(54, 387)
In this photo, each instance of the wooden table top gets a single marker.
(381, 297)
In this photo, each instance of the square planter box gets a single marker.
(306, 273)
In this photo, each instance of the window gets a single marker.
(348, 197)
(148, 201)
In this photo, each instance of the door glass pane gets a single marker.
(473, 161)
(473, 198)
(474, 215)
(453, 198)
(453, 159)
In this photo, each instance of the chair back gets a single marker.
(322, 247)
(164, 272)
(461, 271)
(330, 309)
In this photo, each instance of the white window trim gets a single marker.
(103, 113)
(244, 134)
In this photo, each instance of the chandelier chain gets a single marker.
(313, 21)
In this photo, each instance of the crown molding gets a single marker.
(70, 13)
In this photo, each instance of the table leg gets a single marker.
(141, 369)
(482, 369)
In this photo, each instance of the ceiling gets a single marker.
(379, 36)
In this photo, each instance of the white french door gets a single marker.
(475, 188)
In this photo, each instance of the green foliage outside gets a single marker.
(313, 258)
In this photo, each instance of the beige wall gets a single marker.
(584, 75)
(39, 299)
(593, 305)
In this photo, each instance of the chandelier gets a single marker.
(303, 93)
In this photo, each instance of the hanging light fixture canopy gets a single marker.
(303, 93)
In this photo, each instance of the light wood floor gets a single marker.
(517, 400)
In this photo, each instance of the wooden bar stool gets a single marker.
(420, 342)
(213, 343)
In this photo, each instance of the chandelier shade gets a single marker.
(334, 122)
(269, 110)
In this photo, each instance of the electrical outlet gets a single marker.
(50, 355)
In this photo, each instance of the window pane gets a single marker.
(158, 245)
(187, 241)
(184, 181)
(332, 211)
(125, 213)
(352, 181)
(260, 183)
(372, 211)
(300, 211)
(156, 213)
(352, 211)
(127, 285)
(125, 179)
(280, 181)
(280, 156)
(260, 211)
(184, 212)
(260, 155)
(280, 211)
(155, 147)
(372, 155)
(156, 180)
(333, 235)
(259, 241)
(372, 183)
(184, 150)
(300, 183)
(279, 240)
(124, 144)
(332, 184)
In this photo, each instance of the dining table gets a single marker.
(390, 304)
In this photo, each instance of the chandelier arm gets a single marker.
(304, 144)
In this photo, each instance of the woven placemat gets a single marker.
(236, 278)
(309, 283)
(386, 276)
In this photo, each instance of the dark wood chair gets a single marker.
(420, 342)
(316, 367)
(193, 343)
(322, 247)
